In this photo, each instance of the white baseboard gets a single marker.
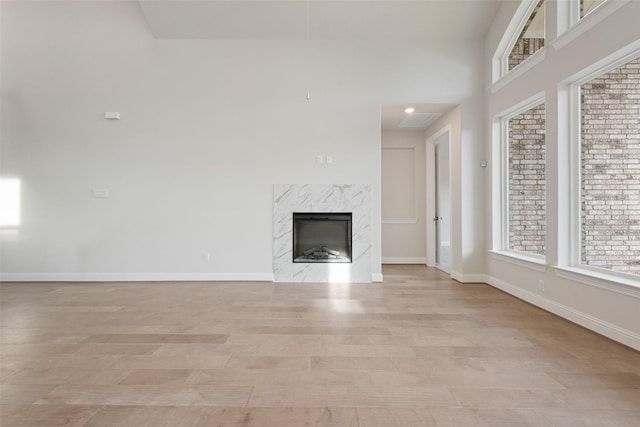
(468, 278)
(403, 260)
(135, 277)
(145, 277)
(607, 329)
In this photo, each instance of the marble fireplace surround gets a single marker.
(290, 198)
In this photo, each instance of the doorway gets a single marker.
(439, 201)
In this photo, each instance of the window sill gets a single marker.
(610, 282)
(521, 69)
(520, 259)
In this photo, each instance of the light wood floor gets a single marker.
(418, 350)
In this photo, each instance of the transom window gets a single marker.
(531, 38)
(588, 6)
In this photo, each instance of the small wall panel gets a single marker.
(398, 184)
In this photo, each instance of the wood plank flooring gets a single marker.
(417, 350)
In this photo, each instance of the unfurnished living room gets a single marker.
(364, 213)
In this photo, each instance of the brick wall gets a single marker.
(611, 170)
(527, 203)
(523, 49)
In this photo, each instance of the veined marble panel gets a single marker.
(290, 198)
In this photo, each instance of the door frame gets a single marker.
(430, 226)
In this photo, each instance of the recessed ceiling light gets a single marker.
(409, 110)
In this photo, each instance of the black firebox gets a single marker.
(320, 237)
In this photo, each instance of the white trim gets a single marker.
(519, 70)
(574, 216)
(588, 22)
(503, 241)
(430, 199)
(135, 277)
(502, 120)
(605, 65)
(609, 282)
(377, 277)
(565, 172)
(400, 221)
(570, 90)
(468, 278)
(404, 260)
(497, 182)
(521, 259)
(602, 327)
(522, 106)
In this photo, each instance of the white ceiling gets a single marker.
(393, 117)
(427, 20)
(430, 21)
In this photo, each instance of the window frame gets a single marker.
(571, 25)
(510, 38)
(501, 208)
(573, 263)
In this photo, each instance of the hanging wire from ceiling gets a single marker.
(307, 48)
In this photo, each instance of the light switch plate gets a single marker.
(100, 193)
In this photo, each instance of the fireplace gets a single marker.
(290, 199)
(321, 237)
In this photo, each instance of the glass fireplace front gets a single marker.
(320, 237)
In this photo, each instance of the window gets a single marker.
(531, 37)
(588, 6)
(524, 37)
(577, 17)
(523, 180)
(610, 170)
(9, 202)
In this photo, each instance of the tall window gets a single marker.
(526, 194)
(531, 37)
(610, 170)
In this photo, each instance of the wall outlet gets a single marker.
(541, 285)
(206, 257)
(319, 159)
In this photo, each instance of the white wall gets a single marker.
(404, 201)
(467, 189)
(207, 127)
(603, 306)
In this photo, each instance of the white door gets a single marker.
(442, 216)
